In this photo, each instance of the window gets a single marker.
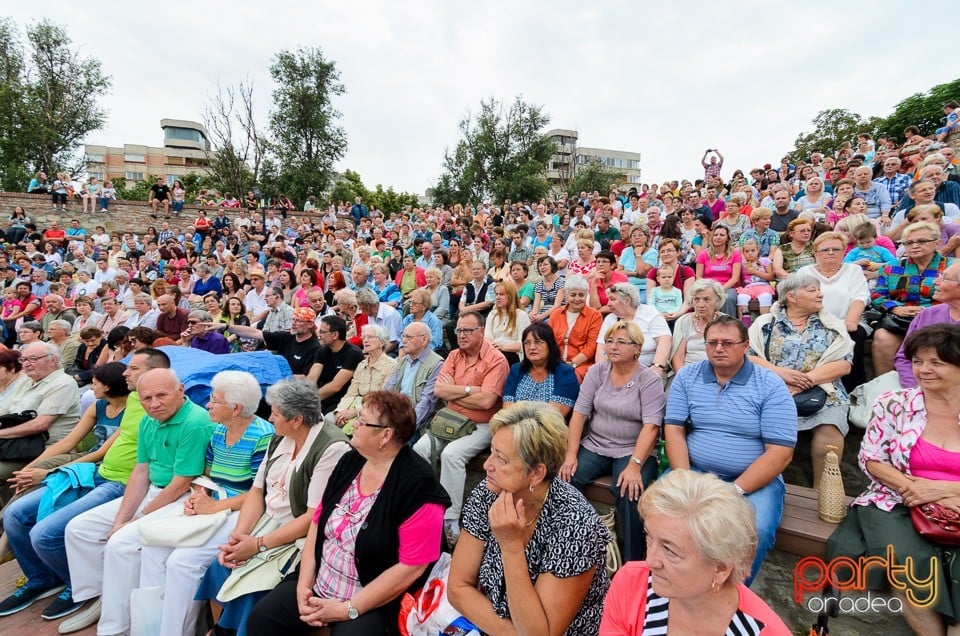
(95, 175)
(133, 176)
(636, 179)
(634, 164)
(134, 158)
(185, 134)
(94, 158)
(171, 178)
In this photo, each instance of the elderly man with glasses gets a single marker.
(52, 394)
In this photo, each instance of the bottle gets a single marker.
(830, 497)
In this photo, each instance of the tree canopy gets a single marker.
(593, 176)
(832, 127)
(48, 102)
(350, 185)
(502, 154)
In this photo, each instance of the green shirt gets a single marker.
(177, 447)
(121, 457)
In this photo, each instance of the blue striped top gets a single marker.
(234, 467)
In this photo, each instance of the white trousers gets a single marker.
(108, 569)
(180, 571)
(453, 464)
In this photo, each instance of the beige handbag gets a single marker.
(614, 558)
(264, 570)
(185, 531)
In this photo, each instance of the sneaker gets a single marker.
(104, 210)
(82, 619)
(24, 597)
(62, 606)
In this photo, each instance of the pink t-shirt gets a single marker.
(929, 461)
(721, 269)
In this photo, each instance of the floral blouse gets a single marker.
(801, 351)
(898, 420)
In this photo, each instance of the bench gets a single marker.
(802, 532)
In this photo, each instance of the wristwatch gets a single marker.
(260, 546)
(466, 390)
(352, 612)
(636, 460)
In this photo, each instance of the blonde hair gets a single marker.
(539, 434)
(511, 308)
(932, 208)
(917, 227)
(633, 331)
(829, 236)
(721, 521)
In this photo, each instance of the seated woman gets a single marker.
(542, 376)
(92, 353)
(38, 544)
(576, 325)
(369, 375)
(688, 343)
(807, 346)
(506, 322)
(419, 304)
(904, 289)
(623, 402)
(910, 453)
(532, 555)
(796, 251)
(701, 538)
(284, 495)
(382, 502)
(234, 455)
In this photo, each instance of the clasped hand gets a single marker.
(319, 612)
(238, 550)
(920, 491)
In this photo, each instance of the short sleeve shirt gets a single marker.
(349, 357)
(489, 372)
(57, 394)
(299, 355)
(177, 447)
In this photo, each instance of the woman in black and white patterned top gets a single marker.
(533, 552)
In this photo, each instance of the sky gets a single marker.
(667, 80)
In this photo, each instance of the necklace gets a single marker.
(824, 272)
(539, 509)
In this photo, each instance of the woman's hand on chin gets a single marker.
(508, 520)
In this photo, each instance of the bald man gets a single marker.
(416, 372)
(103, 544)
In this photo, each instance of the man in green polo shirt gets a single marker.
(103, 544)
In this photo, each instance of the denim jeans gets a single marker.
(103, 202)
(590, 466)
(39, 546)
(767, 503)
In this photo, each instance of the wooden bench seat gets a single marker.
(801, 532)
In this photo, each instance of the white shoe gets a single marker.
(84, 618)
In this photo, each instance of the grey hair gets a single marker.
(628, 293)
(49, 348)
(360, 267)
(793, 282)
(367, 297)
(705, 284)
(375, 330)
(347, 296)
(201, 315)
(576, 282)
(144, 297)
(296, 398)
(238, 388)
(60, 324)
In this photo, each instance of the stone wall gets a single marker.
(123, 215)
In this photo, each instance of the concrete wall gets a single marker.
(123, 215)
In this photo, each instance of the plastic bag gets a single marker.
(428, 612)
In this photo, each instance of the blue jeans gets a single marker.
(590, 466)
(39, 546)
(767, 503)
(103, 202)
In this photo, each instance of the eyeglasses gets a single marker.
(465, 331)
(360, 423)
(33, 359)
(533, 343)
(829, 250)
(193, 322)
(620, 343)
(726, 344)
(406, 337)
(944, 277)
(918, 242)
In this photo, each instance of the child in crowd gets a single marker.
(867, 254)
(666, 298)
(952, 111)
(757, 274)
(11, 304)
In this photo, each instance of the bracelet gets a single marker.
(740, 490)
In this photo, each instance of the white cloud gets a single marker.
(665, 80)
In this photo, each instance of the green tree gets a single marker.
(832, 127)
(14, 173)
(390, 201)
(238, 146)
(593, 175)
(349, 186)
(923, 110)
(306, 138)
(502, 154)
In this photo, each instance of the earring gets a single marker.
(531, 487)
(714, 587)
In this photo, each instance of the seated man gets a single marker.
(471, 381)
(51, 393)
(298, 346)
(199, 335)
(171, 448)
(381, 314)
(335, 362)
(39, 544)
(172, 320)
(736, 419)
(416, 372)
(279, 314)
(54, 306)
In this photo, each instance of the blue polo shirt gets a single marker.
(728, 427)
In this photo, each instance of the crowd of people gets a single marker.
(673, 337)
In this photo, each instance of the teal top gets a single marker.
(234, 467)
(177, 447)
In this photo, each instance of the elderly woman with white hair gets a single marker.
(624, 300)
(809, 348)
(701, 537)
(236, 450)
(688, 343)
(576, 326)
(371, 375)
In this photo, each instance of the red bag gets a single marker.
(936, 523)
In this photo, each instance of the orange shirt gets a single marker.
(489, 372)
